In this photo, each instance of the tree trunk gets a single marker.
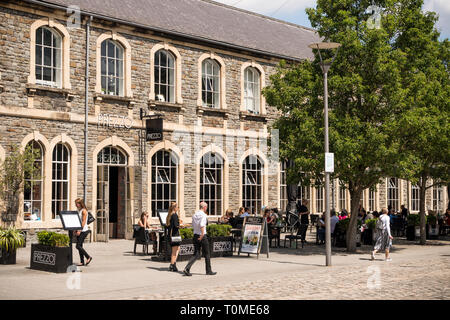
(355, 195)
(423, 234)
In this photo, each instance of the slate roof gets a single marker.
(208, 21)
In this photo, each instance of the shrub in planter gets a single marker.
(218, 230)
(53, 252)
(10, 240)
(221, 243)
(187, 233)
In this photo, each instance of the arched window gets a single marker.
(60, 179)
(111, 156)
(211, 182)
(164, 76)
(112, 68)
(372, 199)
(342, 197)
(164, 180)
(319, 199)
(252, 184)
(393, 193)
(252, 90)
(210, 83)
(48, 62)
(33, 186)
(415, 197)
(283, 186)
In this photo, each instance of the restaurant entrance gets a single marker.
(113, 195)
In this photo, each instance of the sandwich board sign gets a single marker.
(254, 237)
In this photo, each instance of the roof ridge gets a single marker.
(258, 15)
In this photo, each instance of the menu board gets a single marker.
(254, 236)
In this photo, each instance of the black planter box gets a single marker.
(221, 247)
(218, 247)
(432, 236)
(7, 257)
(341, 240)
(367, 237)
(51, 259)
(411, 233)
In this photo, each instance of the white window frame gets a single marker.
(252, 90)
(213, 79)
(119, 67)
(251, 167)
(215, 171)
(58, 183)
(33, 182)
(169, 87)
(172, 183)
(56, 54)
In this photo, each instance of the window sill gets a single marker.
(34, 89)
(252, 116)
(98, 97)
(167, 106)
(220, 112)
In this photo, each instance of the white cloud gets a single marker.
(442, 8)
(268, 7)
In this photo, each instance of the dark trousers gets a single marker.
(203, 245)
(80, 240)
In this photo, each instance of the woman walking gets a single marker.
(383, 238)
(173, 223)
(81, 235)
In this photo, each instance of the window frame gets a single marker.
(119, 73)
(216, 170)
(256, 85)
(173, 183)
(56, 65)
(32, 182)
(157, 71)
(252, 202)
(55, 181)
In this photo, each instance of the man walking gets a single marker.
(199, 221)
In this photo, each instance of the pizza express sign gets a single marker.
(154, 129)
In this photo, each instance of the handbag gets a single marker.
(90, 218)
(175, 238)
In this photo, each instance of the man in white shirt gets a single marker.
(199, 222)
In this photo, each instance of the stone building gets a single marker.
(198, 65)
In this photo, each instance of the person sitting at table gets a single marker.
(145, 223)
(226, 218)
(245, 213)
(321, 229)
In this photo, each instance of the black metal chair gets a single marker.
(141, 237)
(236, 232)
(301, 235)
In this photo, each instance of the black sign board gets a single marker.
(154, 129)
(70, 220)
(254, 237)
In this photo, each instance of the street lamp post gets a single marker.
(325, 66)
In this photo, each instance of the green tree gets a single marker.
(365, 101)
(17, 165)
(424, 127)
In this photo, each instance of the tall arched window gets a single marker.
(60, 179)
(371, 199)
(211, 182)
(252, 91)
(33, 186)
(283, 186)
(319, 199)
(112, 68)
(164, 180)
(48, 63)
(164, 76)
(393, 193)
(415, 197)
(210, 83)
(252, 184)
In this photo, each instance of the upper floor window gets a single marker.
(48, 63)
(164, 76)
(112, 68)
(252, 90)
(210, 84)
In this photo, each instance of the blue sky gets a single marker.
(294, 10)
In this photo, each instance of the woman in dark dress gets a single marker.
(173, 223)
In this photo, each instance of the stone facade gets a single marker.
(52, 115)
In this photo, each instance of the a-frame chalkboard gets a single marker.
(254, 237)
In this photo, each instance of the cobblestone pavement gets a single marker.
(416, 272)
(423, 279)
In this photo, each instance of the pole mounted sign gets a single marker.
(154, 129)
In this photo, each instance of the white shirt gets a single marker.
(199, 220)
(333, 221)
(80, 213)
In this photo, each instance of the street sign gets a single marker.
(329, 162)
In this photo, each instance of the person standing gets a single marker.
(83, 233)
(303, 212)
(173, 223)
(199, 222)
(383, 237)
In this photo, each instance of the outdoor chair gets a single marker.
(301, 235)
(236, 232)
(141, 237)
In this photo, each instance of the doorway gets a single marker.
(112, 195)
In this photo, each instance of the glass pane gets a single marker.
(111, 67)
(104, 49)
(38, 73)
(119, 53)
(47, 37)
(157, 59)
(38, 55)
(56, 41)
(163, 75)
(111, 49)
(39, 36)
(163, 58)
(171, 61)
(119, 68)
(47, 56)
(47, 74)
